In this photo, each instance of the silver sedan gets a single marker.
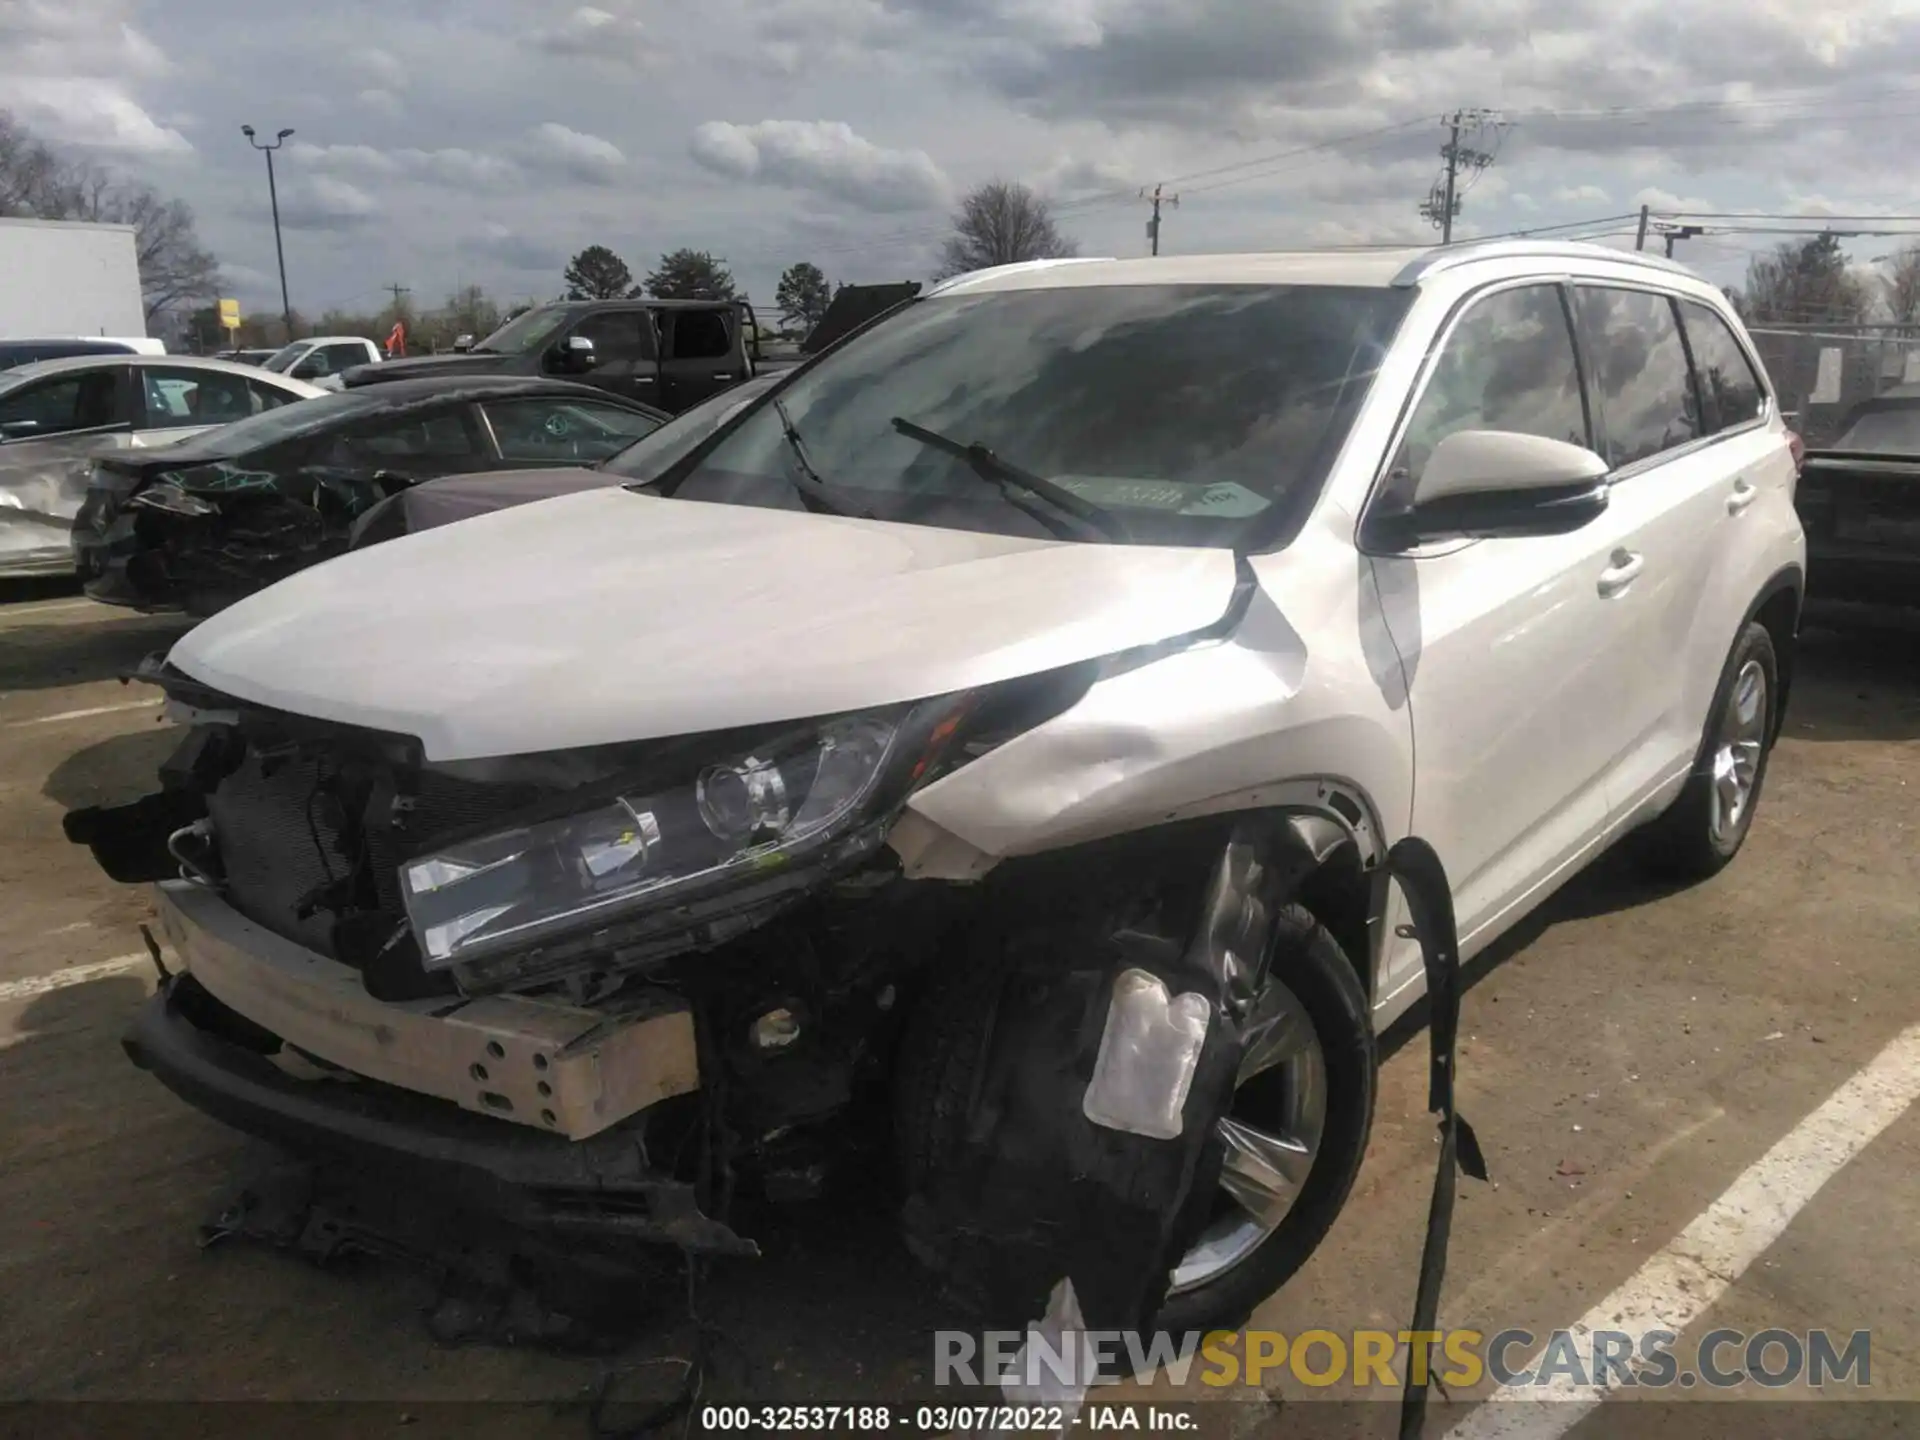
(56, 414)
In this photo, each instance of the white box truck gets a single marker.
(69, 278)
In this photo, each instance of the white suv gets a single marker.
(995, 742)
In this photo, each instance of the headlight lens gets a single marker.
(512, 888)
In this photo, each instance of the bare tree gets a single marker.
(1900, 286)
(1001, 223)
(1806, 282)
(38, 183)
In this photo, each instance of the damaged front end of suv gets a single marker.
(598, 990)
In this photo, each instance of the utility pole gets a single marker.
(273, 195)
(1681, 232)
(1640, 240)
(398, 290)
(1442, 204)
(1153, 225)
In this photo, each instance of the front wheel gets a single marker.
(1704, 828)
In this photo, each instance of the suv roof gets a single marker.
(644, 302)
(1399, 266)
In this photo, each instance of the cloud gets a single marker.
(321, 202)
(1580, 195)
(591, 33)
(382, 102)
(77, 37)
(824, 156)
(94, 113)
(381, 66)
(584, 157)
(500, 243)
(1074, 177)
(455, 168)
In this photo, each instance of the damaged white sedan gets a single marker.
(1005, 751)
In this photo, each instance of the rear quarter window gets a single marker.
(1731, 393)
(1641, 374)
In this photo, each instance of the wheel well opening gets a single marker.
(1780, 613)
(1340, 896)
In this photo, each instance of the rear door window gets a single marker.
(174, 397)
(63, 404)
(1731, 394)
(1641, 376)
(700, 335)
(1508, 365)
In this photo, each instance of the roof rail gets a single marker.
(941, 286)
(1446, 257)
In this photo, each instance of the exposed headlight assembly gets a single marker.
(750, 813)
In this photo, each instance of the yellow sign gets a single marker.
(230, 314)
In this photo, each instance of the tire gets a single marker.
(935, 1078)
(1683, 844)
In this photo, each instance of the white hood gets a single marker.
(610, 616)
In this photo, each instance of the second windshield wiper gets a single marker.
(814, 493)
(1070, 517)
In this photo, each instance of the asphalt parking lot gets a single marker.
(1626, 1058)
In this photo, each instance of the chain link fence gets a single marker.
(1821, 372)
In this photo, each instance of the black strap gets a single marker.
(1430, 900)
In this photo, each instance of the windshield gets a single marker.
(1892, 431)
(284, 422)
(283, 359)
(649, 457)
(531, 331)
(1186, 415)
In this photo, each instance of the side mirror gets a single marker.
(575, 353)
(1499, 484)
(309, 369)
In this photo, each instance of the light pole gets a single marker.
(273, 194)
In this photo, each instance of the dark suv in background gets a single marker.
(668, 353)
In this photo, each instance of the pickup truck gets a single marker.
(1859, 502)
(321, 357)
(668, 353)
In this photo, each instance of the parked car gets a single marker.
(323, 356)
(56, 413)
(201, 524)
(433, 503)
(1045, 739)
(670, 353)
(1860, 501)
(30, 352)
(248, 357)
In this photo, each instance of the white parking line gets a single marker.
(1698, 1266)
(32, 985)
(85, 714)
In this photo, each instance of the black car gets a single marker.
(197, 525)
(670, 353)
(434, 503)
(1859, 500)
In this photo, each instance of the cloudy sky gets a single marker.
(441, 143)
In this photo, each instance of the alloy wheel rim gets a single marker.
(1272, 1133)
(1736, 755)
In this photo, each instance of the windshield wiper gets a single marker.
(1070, 518)
(814, 492)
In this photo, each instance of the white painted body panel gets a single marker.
(609, 616)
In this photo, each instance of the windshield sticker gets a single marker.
(1227, 501)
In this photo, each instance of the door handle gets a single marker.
(1744, 494)
(1620, 573)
